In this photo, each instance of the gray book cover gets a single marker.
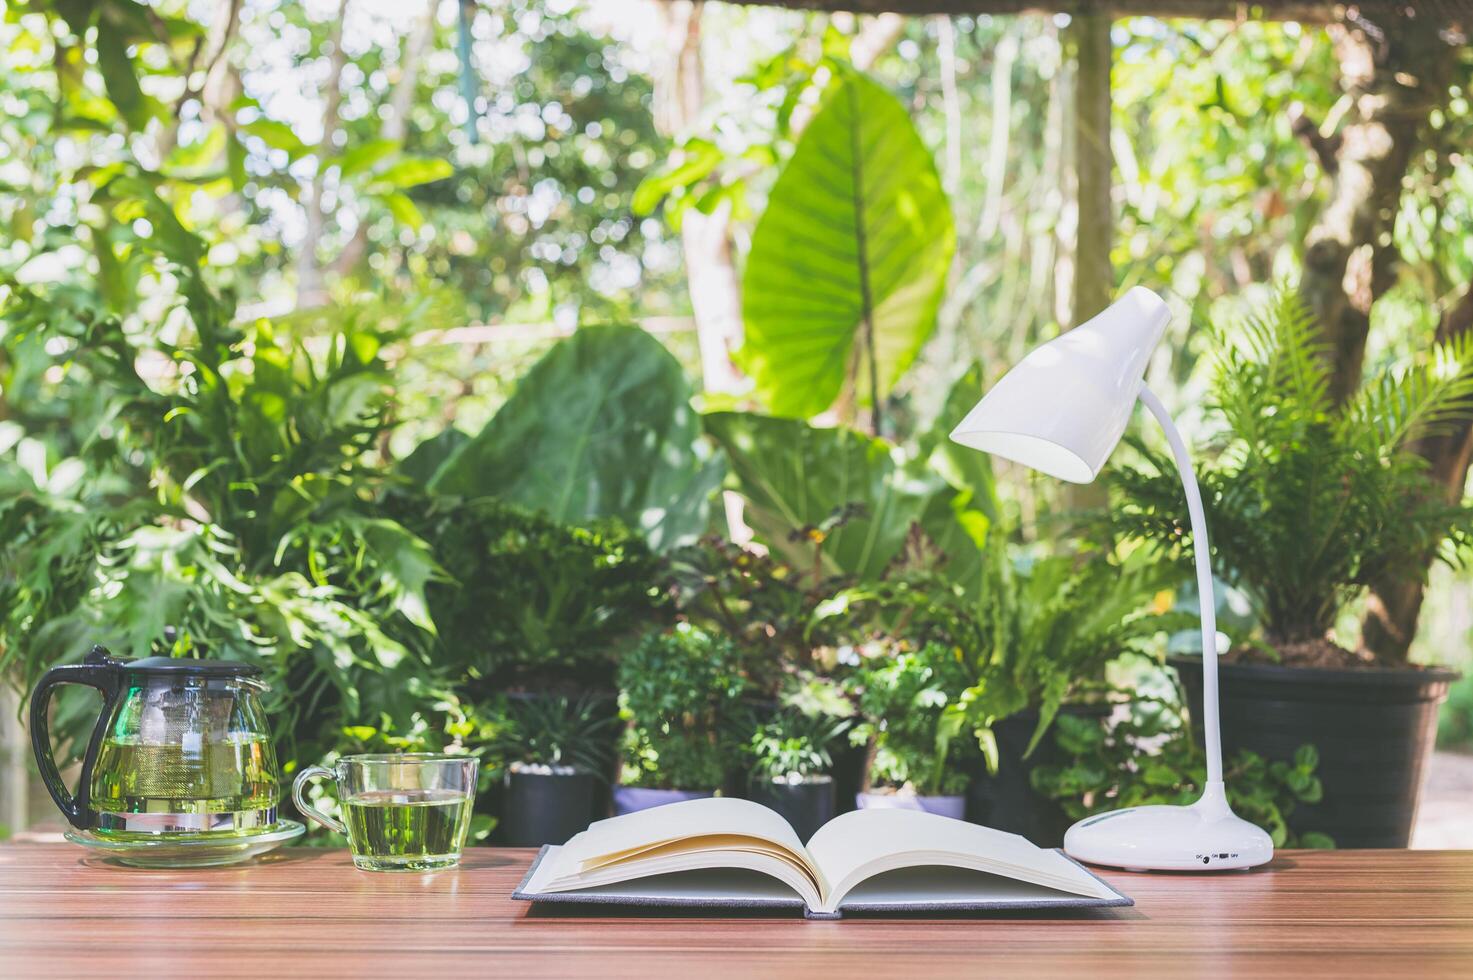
(752, 890)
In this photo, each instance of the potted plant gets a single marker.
(1050, 627)
(1150, 757)
(789, 757)
(902, 694)
(557, 752)
(678, 690)
(1309, 504)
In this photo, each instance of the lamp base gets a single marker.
(1206, 836)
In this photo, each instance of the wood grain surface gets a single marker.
(308, 912)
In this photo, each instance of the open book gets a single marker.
(728, 852)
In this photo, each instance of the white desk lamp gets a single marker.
(1062, 410)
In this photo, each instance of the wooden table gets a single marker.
(307, 912)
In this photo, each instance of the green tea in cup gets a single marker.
(406, 812)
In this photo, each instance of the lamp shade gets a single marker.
(1062, 409)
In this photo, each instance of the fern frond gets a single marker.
(1301, 349)
(1424, 400)
(1275, 380)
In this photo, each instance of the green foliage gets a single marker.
(849, 258)
(599, 427)
(679, 691)
(902, 695)
(1050, 627)
(175, 467)
(1455, 717)
(834, 501)
(256, 542)
(536, 218)
(756, 600)
(558, 731)
(1309, 504)
(1214, 112)
(1152, 758)
(793, 745)
(530, 601)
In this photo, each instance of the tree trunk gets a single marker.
(1088, 40)
(311, 289)
(396, 124)
(1394, 77)
(705, 239)
(1394, 606)
(1087, 43)
(212, 46)
(951, 173)
(876, 36)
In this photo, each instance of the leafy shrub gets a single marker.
(234, 495)
(556, 731)
(1153, 758)
(793, 745)
(531, 602)
(679, 691)
(1309, 503)
(1049, 627)
(902, 695)
(601, 426)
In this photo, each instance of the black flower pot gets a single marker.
(1373, 727)
(807, 804)
(851, 765)
(544, 805)
(1006, 800)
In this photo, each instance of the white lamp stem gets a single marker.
(1210, 725)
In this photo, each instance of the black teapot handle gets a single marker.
(97, 670)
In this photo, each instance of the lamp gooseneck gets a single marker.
(1210, 725)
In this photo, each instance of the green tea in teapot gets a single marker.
(407, 830)
(188, 778)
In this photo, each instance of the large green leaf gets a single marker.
(421, 465)
(363, 157)
(413, 171)
(600, 427)
(963, 467)
(794, 476)
(120, 78)
(857, 227)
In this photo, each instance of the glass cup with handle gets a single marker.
(406, 812)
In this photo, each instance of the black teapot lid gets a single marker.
(174, 665)
(188, 665)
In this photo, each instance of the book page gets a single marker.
(657, 872)
(858, 845)
(939, 888)
(706, 887)
(622, 838)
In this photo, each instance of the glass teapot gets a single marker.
(181, 747)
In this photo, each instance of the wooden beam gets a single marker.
(1087, 41)
(1450, 12)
